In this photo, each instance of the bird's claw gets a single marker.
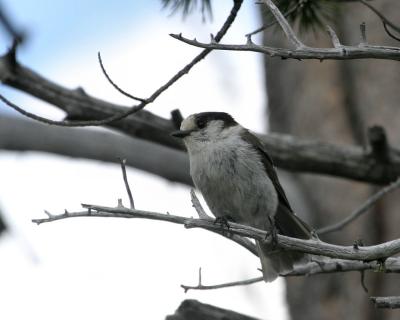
(223, 221)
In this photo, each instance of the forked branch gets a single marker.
(392, 265)
(316, 247)
(339, 52)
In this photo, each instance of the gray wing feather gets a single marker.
(287, 222)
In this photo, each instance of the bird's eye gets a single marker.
(201, 123)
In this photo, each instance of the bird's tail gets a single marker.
(275, 262)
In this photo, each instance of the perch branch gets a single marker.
(316, 247)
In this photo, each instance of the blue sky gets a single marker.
(56, 27)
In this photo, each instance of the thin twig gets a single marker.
(360, 210)
(127, 187)
(197, 205)
(310, 269)
(390, 34)
(362, 281)
(334, 38)
(236, 6)
(200, 286)
(266, 26)
(287, 29)
(114, 84)
(380, 15)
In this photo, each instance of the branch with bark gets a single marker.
(386, 302)
(339, 52)
(345, 258)
(288, 152)
(315, 267)
(301, 51)
(313, 246)
(20, 135)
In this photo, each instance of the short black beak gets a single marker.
(181, 133)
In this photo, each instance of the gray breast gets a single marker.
(232, 179)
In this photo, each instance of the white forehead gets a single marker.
(189, 123)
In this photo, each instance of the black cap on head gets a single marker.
(204, 117)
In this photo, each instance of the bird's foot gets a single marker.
(223, 221)
(273, 232)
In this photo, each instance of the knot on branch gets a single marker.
(381, 154)
(379, 144)
(8, 62)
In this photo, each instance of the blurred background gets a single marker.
(111, 268)
(102, 268)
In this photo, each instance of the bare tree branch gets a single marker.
(392, 265)
(231, 17)
(386, 302)
(114, 84)
(200, 286)
(316, 247)
(127, 187)
(360, 210)
(286, 14)
(19, 134)
(79, 105)
(287, 29)
(303, 53)
(312, 156)
(334, 38)
(287, 152)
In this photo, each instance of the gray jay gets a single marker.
(237, 179)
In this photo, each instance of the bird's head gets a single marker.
(205, 126)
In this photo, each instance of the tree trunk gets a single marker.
(337, 101)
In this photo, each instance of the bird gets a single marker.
(236, 176)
